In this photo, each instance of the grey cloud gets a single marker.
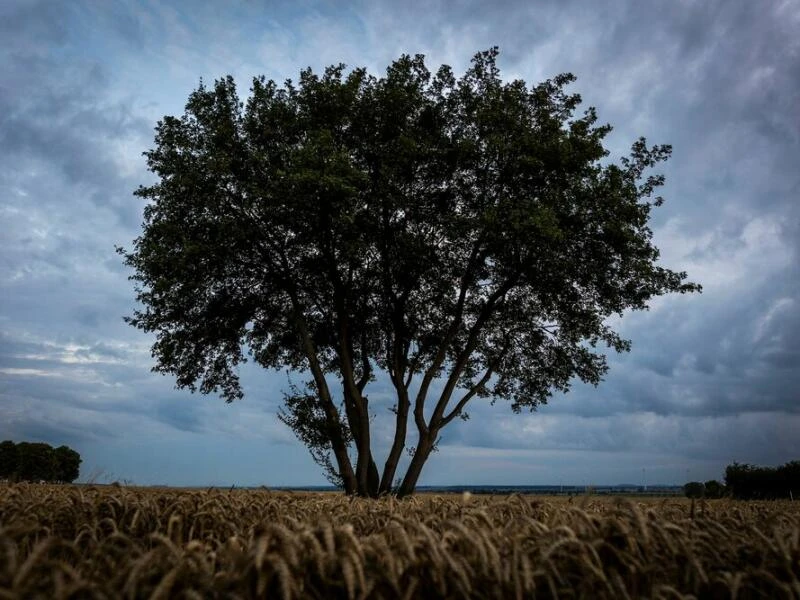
(103, 350)
(111, 382)
(25, 24)
(50, 432)
(181, 413)
(87, 315)
(52, 305)
(753, 437)
(81, 404)
(59, 120)
(31, 417)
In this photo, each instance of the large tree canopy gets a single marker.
(463, 231)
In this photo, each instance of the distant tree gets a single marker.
(68, 463)
(736, 479)
(427, 227)
(36, 462)
(714, 489)
(694, 489)
(748, 482)
(8, 459)
(789, 476)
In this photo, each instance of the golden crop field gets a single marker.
(115, 542)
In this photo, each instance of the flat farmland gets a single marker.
(121, 542)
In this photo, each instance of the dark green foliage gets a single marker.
(749, 482)
(414, 224)
(68, 464)
(28, 461)
(8, 459)
(694, 489)
(35, 462)
(713, 489)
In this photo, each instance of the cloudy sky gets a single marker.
(712, 378)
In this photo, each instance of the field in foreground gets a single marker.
(105, 542)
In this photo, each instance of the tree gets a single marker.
(748, 482)
(35, 462)
(68, 464)
(8, 459)
(694, 489)
(38, 462)
(713, 489)
(789, 479)
(433, 229)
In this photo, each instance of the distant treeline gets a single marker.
(27, 461)
(749, 482)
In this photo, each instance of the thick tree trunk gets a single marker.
(345, 469)
(367, 481)
(421, 454)
(368, 486)
(366, 472)
(373, 479)
(357, 410)
(363, 444)
(338, 444)
(367, 478)
(400, 432)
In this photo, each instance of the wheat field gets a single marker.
(116, 542)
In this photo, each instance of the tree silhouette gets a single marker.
(460, 231)
(38, 462)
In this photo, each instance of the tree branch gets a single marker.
(436, 363)
(467, 397)
(366, 368)
(412, 367)
(331, 414)
(469, 347)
